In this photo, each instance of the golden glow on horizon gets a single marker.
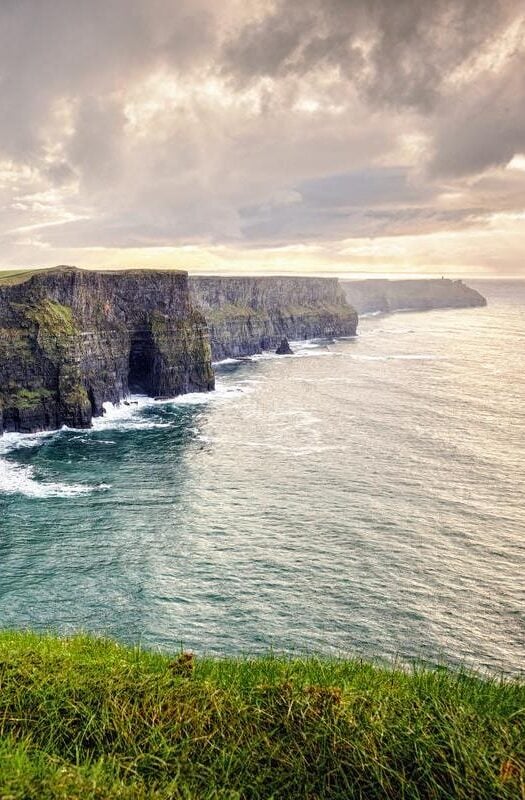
(482, 251)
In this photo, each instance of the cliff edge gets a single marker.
(71, 340)
(249, 315)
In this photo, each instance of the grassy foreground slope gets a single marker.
(86, 718)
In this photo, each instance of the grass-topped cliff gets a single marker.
(84, 718)
(71, 340)
(247, 315)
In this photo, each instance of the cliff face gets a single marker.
(249, 315)
(71, 340)
(419, 295)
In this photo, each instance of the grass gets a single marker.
(13, 276)
(53, 318)
(87, 718)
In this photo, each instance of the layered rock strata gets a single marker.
(71, 340)
(248, 315)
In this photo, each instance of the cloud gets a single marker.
(126, 124)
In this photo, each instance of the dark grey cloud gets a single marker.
(486, 126)
(53, 50)
(397, 53)
(401, 55)
(369, 202)
(366, 187)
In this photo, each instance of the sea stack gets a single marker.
(284, 348)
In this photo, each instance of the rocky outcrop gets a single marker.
(375, 295)
(71, 340)
(284, 348)
(249, 315)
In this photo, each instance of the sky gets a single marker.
(349, 137)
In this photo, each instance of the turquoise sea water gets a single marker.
(364, 496)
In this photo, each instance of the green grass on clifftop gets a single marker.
(86, 718)
(13, 276)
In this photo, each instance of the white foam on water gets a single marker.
(303, 352)
(301, 348)
(129, 413)
(226, 361)
(20, 478)
(15, 441)
(306, 344)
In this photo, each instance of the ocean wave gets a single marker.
(20, 479)
(130, 412)
(300, 353)
(225, 361)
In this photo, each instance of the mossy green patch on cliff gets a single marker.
(53, 318)
(24, 398)
(73, 394)
(176, 338)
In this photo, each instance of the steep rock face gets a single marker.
(71, 340)
(248, 315)
(419, 295)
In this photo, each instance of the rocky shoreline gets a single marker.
(72, 339)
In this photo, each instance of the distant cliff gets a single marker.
(72, 339)
(248, 315)
(417, 295)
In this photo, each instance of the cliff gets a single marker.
(249, 315)
(71, 340)
(418, 295)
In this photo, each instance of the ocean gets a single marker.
(362, 497)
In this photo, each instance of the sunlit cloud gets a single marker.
(264, 136)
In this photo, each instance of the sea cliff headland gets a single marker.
(375, 295)
(72, 339)
(248, 315)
